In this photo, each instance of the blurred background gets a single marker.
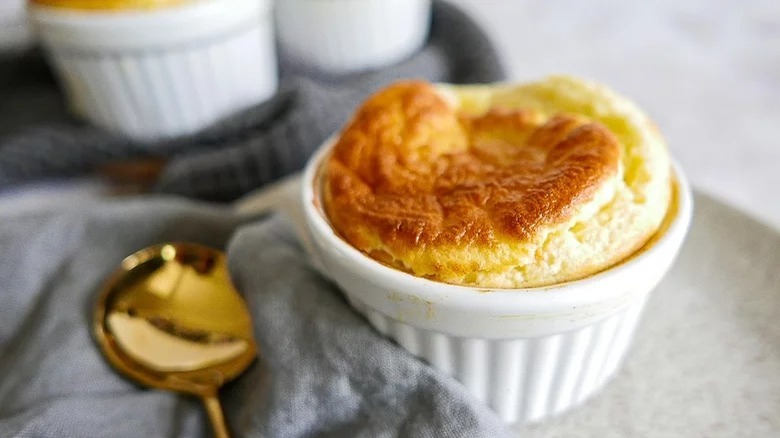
(707, 72)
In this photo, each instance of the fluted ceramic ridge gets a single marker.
(524, 380)
(339, 36)
(166, 88)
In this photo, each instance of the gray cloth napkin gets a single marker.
(324, 372)
(243, 152)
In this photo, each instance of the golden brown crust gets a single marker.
(414, 171)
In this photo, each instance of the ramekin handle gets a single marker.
(284, 196)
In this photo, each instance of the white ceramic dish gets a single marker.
(340, 36)
(165, 72)
(529, 354)
(15, 32)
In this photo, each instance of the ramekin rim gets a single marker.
(436, 290)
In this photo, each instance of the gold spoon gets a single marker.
(171, 319)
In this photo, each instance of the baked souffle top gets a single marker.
(109, 5)
(498, 185)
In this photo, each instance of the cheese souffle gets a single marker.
(500, 186)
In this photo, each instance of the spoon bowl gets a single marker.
(170, 318)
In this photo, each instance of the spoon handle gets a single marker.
(216, 417)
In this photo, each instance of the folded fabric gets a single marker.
(323, 371)
(241, 153)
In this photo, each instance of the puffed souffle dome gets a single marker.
(498, 186)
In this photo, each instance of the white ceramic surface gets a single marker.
(191, 66)
(15, 32)
(523, 379)
(339, 36)
(527, 353)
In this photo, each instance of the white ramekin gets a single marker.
(527, 353)
(15, 32)
(341, 36)
(165, 72)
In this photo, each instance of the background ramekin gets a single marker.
(164, 72)
(527, 353)
(15, 32)
(340, 36)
